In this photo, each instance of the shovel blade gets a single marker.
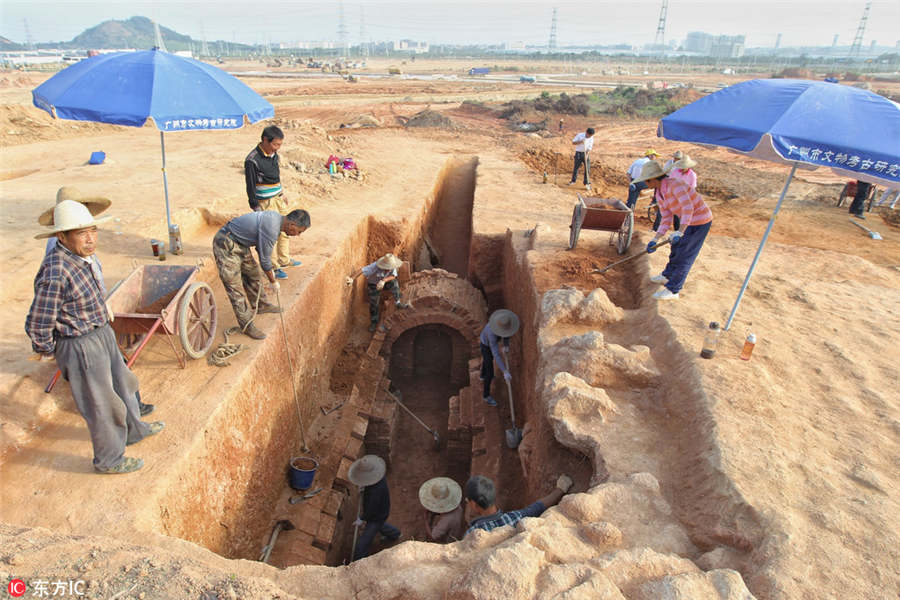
(513, 438)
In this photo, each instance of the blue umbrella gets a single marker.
(125, 88)
(806, 124)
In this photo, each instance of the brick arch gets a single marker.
(440, 297)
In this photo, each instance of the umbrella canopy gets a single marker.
(854, 131)
(125, 88)
(806, 124)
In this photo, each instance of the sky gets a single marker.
(801, 22)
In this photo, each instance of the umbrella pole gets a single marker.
(162, 143)
(759, 250)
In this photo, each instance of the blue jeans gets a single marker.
(682, 256)
(634, 190)
(368, 536)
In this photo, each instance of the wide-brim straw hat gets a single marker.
(678, 155)
(69, 215)
(95, 204)
(650, 170)
(367, 470)
(504, 322)
(685, 163)
(651, 152)
(440, 494)
(388, 262)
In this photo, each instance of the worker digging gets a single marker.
(381, 276)
(494, 341)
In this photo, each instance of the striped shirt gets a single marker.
(674, 197)
(688, 176)
(500, 518)
(68, 299)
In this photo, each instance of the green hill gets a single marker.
(136, 32)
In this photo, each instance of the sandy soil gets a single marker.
(807, 431)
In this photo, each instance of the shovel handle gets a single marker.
(512, 407)
(632, 257)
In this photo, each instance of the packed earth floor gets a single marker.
(769, 478)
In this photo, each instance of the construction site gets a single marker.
(770, 478)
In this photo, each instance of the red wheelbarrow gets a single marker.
(602, 215)
(161, 296)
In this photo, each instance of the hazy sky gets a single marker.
(802, 22)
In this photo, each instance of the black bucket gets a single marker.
(303, 471)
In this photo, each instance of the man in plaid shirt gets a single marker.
(675, 197)
(481, 497)
(69, 321)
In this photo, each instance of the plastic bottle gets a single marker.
(711, 340)
(175, 239)
(749, 344)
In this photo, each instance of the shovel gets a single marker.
(872, 234)
(632, 257)
(514, 435)
(437, 438)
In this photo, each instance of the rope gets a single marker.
(219, 357)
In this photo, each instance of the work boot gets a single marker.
(279, 274)
(127, 465)
(660, 279)
(145, 409)
(154, 428)
(665, 294)
(265, 307)
(402, 305)
(490, 401)
(254, 332)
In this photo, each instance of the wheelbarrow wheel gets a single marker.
(575, 227)
(624, 235)
(197, 319)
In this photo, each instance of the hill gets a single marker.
(136, 32)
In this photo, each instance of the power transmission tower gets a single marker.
(857, 41)
(661, 28)
(552, 44)
(159, 39)
(204, 50)
(342, 27)
(363, 47)
(29, 43)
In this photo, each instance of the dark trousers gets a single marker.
(368, 536)
(683, 254)
(859, 200)
(634, 190)
(580, 160)
(375, 297)
(105, 392)
(487, 369)
(676, 221)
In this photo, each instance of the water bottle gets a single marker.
(710, 340)
(175, 239)
(749, 345)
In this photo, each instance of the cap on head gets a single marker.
(651, 152)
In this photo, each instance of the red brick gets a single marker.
(306, 518)
(325, 533)
(353, 448)
(342, 477)
(333, 501)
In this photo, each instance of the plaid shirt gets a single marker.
(68, 299)
(500, 518)
(674, 197)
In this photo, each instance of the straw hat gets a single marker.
(95, 204)
(367, 470)
(440, 495)
(678, 155)
(685, 163)
(388, 262)
(650, 170)
(651, 152)
(69, 215)
(504, 322)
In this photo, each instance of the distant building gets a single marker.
(411, 46)
(721, 46)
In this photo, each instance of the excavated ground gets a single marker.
(699, 479)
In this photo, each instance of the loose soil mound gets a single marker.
(430, 118)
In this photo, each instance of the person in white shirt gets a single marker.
(583, 143)
(634, 171)
(676, 156)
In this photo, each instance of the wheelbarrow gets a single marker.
(602, 214)
(167, 297)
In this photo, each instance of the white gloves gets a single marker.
(379, 285)
(358, 523)
(507, 376)
(349, 281)
(564, 483)
(275, 286)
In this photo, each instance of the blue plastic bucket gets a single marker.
(303, 471)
